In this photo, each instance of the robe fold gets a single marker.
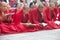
(47, 14)
(19, 18)
(35, 17)
(10, 28)
(59, 14)
(58, 17)
(50, 18)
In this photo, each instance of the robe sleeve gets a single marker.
(46, 15)
(30, 17)
(59, 14)
(35, 16)
(17, 17)
(55, 13)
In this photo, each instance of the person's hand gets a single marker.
(10, 14)
(57, 22)
(30, 25)
(23, 23)
(44, 24)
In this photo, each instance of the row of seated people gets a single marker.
(29, 19)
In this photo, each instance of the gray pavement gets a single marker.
(39, 35)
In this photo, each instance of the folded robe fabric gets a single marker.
(33, 17)
(59, 14)
(49, 19)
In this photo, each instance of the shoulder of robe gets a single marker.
(35, 9)
(19, 11)
(46, 9)
(56, 10)
(59, 10)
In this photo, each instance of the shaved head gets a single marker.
(3, 6)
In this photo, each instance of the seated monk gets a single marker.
(36, 16)
(50, 13)
(57, 21)
(21, 17)
(6, 26)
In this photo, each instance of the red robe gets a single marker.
(49, 18)
(10, 28)
(19, 18)
(35, 17)
(59, 14)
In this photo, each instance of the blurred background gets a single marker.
(15, 2)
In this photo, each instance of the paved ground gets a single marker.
(40, 35)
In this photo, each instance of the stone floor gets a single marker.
(39, 35)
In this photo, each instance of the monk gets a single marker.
(6, 24)
(57, 21)
(50, 15)
(36, 17)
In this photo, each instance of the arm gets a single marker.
(35, 16)
(46, 17)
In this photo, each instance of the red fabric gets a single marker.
(34, 14)
(47, 14)
(33, 18)
(53, 25)
(10, 28)
(17, 17)
(59, 15)
(58, 26)
(30, 16)
(0, 31)
(48, 19)
(25, 18)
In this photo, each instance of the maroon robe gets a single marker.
(59, 14)
(10, 28)
(35, 17)
(49, 18)
(19, 18)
